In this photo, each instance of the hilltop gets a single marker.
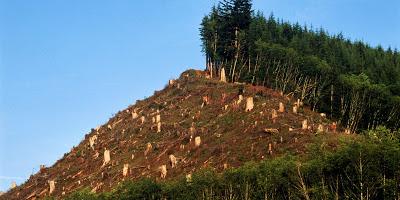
(256, 118)
(195, 121)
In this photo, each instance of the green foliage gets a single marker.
(79, 153)
(84, 194)
(360, 168)
(382, 133)
(143, 189)
(328, 72)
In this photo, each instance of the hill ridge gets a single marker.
(194, 122)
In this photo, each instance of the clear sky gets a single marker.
(66, 66)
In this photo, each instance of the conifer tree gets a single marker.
(304, 62)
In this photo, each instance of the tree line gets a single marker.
(354, 83)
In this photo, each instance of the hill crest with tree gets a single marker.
(266, 130)
(354, 83)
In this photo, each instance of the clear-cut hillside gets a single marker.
(199, 121)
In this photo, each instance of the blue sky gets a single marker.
(66, 66)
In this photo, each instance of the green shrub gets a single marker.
(321, 174)
(84, 194)
(144, 189)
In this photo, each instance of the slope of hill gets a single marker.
(200, 121)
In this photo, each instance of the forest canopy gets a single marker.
(351, 81)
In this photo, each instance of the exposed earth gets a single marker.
(192, 109)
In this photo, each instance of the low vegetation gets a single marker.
(367, 167)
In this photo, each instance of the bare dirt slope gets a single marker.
(193, 106)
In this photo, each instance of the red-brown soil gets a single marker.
(231, 137)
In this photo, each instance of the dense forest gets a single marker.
(354, 83)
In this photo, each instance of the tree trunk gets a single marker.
(237, 46)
